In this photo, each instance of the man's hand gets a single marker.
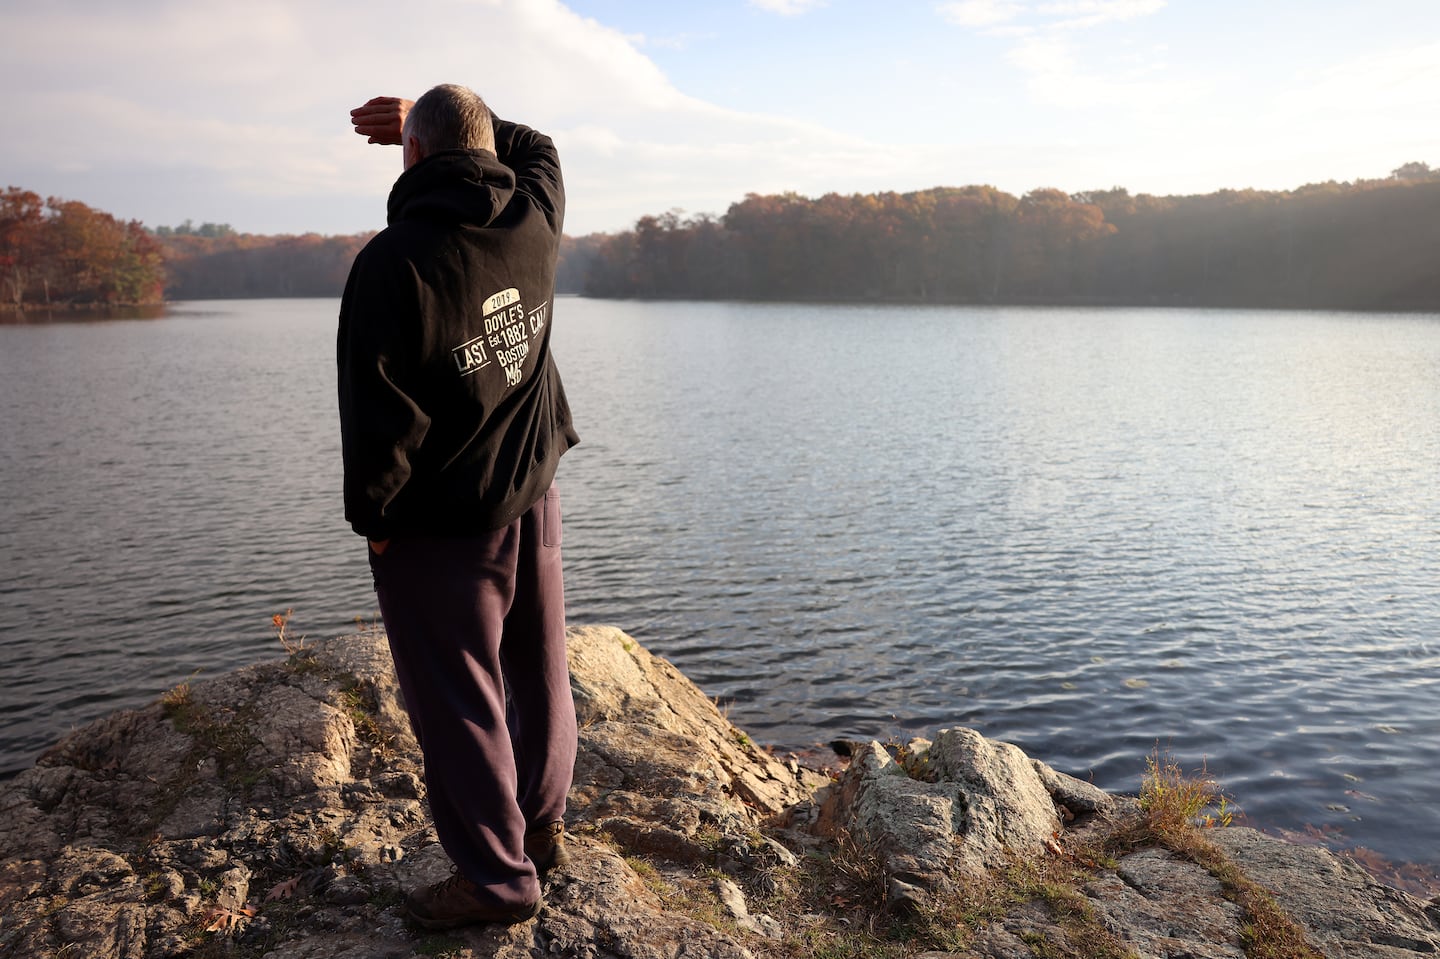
(381, 119)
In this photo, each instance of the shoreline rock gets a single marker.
(278, 811)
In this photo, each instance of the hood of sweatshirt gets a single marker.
(453, 186)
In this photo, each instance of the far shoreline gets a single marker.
(21, 314)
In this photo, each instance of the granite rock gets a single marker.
(279, 811)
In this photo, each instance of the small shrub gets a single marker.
(1174, 802)
(1173, 808)
(177, 700)
(374, 626)
(281, 622)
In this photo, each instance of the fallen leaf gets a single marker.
(223, 919)
(283, 890)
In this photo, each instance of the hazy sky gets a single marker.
(231, 112)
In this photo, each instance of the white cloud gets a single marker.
(788, 8)
(232, 115)
(1079, 14)
(980, 13)
(1058, 74)
(1376, 83)
(169, 109)
(1055, 15)
(1043, 56)
(677, 41)
(1044, 41)
(256, 100)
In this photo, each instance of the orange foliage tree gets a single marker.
(22, 216)
(63, 251)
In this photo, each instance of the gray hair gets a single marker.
(450, 117)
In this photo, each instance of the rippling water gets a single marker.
(1086, 532)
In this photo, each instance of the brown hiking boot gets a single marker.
(545, 845)
(457, 902)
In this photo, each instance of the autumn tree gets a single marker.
(223, 264)
(1413, 171)
(22, 217)
(63, 251)
(1367, 244)
(573, 264)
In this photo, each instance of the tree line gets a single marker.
(212, 261)
(1372, 244)
(63, 253)
(215, 262)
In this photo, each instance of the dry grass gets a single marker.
(835, 900)
(836, 904)
(357, 701)
(176, 699)
(1176, 809)
(1175, 802)
(374, 626)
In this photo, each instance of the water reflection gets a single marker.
(38, 315)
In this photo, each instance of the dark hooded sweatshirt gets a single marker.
(452, 415)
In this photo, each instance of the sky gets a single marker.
(238, 113)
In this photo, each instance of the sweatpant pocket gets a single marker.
(552, 532)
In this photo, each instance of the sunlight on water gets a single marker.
(1086, 532)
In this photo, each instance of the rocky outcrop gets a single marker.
(1353, 915)
(279, 811)
(963, 802)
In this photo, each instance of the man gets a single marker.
(452, 420)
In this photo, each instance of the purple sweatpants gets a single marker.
(470, 618)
